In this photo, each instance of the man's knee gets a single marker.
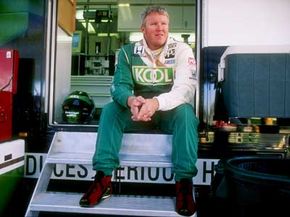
(110, 109)
(185, 112)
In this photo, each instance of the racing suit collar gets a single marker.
(145, 45)
(148, 51)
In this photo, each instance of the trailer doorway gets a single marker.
(84, 60)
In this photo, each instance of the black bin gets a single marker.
(258, 186)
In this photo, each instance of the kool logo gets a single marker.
(157, 76)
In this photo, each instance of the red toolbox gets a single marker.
(9, 60)
(5, 115)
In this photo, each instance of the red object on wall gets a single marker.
(9, 60)
(5, 115)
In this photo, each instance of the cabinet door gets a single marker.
(182, 18)
(175, 13)
(129, 18)
(66, 15)
(189, 17)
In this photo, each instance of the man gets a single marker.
(154, 85)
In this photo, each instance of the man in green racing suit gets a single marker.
(154, 86)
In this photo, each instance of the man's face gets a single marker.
(155, 30)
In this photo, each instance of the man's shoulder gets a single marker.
(172, 42)
(127, 46)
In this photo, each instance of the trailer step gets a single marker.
(152, 150)
(136, 150)
(125, 159)
(129, 205)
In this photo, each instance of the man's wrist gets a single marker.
(130, 100)
(156, 103)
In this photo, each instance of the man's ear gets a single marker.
(142, 28)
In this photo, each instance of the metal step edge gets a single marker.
(125, 160)
(129, 205)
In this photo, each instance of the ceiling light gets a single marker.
(124, 5)
(90, 27)
(106, 35)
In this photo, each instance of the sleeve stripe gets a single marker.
(127, 58)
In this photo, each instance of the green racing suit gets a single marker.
(171, 78)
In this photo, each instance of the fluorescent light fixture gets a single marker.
(106, 21)
(106, 35)
(124, 5)
(90, 27)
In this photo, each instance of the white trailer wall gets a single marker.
(62, 70)
(245, 22)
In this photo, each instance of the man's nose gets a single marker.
(159, 26)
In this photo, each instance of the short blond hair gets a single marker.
(152, 9)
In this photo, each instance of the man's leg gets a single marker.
(106, 159)
(183, 124)
(114, 120)
(110, 133)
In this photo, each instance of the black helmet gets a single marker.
(78, 107)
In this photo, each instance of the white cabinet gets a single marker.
(182, 18)
(129, 18)
(175, 13)
(189, 18)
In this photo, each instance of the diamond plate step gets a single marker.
(137, 149)
(129, 205)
